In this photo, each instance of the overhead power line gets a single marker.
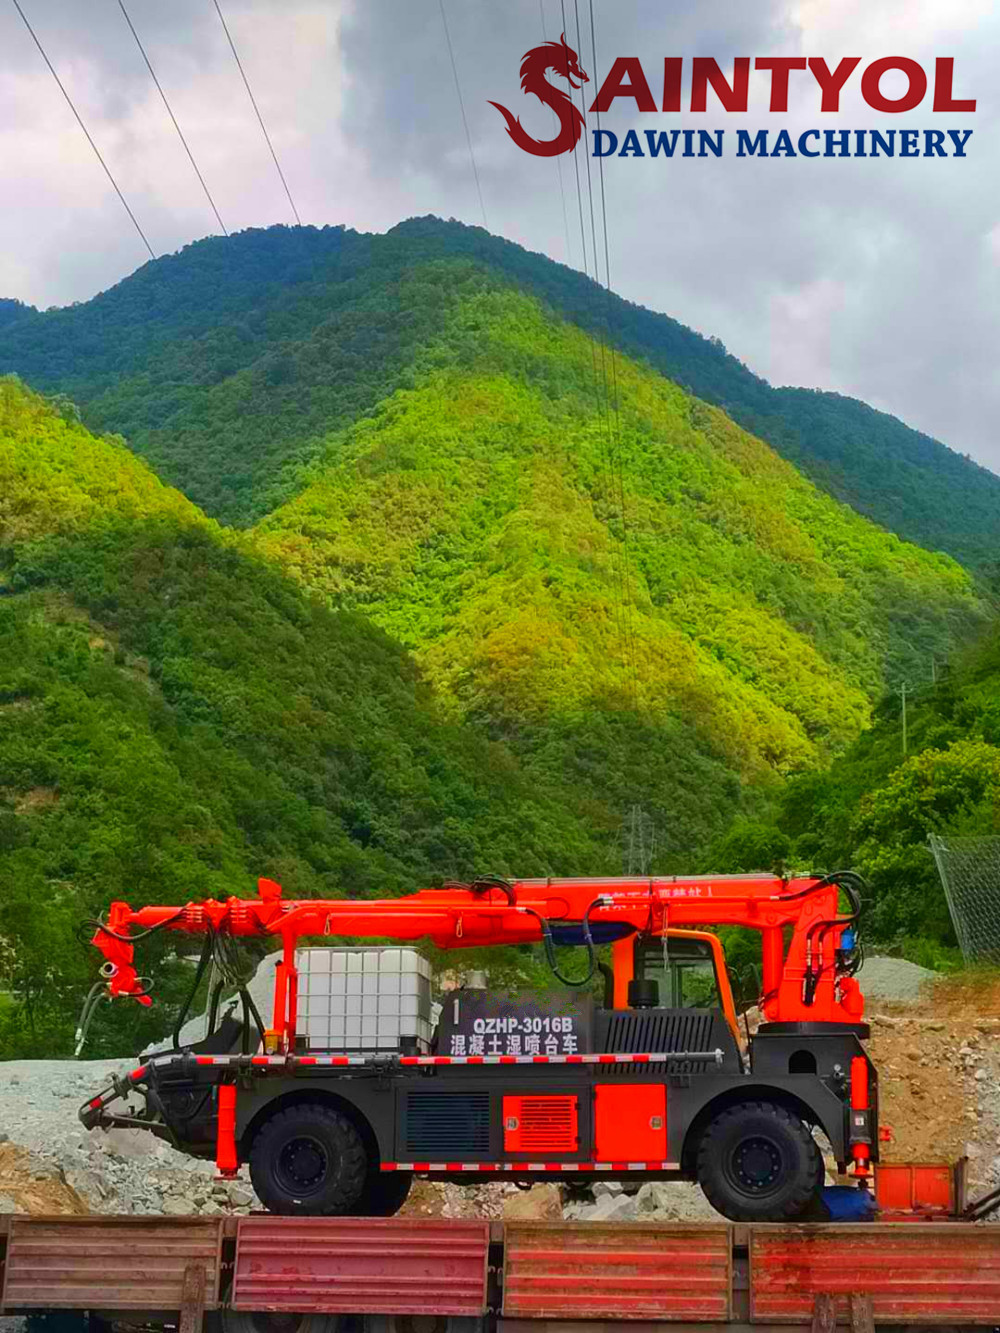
(640, 820)
(562, 190)
(253, 103)
(614, 379)
(461, 104)
(617, 578)
(79, 121)
(163, 95)
(576, 164)
(613, 436)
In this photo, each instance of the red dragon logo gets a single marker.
(564, 60)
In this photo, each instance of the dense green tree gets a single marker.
(874, 808)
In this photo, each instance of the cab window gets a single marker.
(684, 971)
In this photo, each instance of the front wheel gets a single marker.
(308, 1161)
(759, 1163)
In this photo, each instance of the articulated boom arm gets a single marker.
(805, 983)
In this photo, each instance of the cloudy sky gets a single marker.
(878, 279)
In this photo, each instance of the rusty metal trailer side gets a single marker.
(912, 1272)
(626, 1272)
(110, 1263)
(515, 1277)
(360, 1265)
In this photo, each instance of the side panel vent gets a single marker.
(540, 1124)
(447, 1125)
(655, 1030)
(659, 1030)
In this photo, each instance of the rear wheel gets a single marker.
(246, 1321)
(759, 1163)
(308, 1160)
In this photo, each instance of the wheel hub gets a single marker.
(303, 1163)
(757, 1165)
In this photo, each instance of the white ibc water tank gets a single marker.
(350, 999)
(371, 999)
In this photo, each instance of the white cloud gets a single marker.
(871, 278)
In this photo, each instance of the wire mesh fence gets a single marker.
(970, 872)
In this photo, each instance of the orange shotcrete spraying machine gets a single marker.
(356, 1081)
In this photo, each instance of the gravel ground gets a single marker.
(656, 1201)
(120, 1171)
(893, 979)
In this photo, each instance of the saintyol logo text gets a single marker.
(564, 60)
(627, 82)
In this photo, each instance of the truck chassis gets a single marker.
(633, 1114)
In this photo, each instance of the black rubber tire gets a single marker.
(262, 1321)
(759, 1163)
(384, 1193)
(308, 1161)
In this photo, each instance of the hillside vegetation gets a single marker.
(475, 517)
(176, 718)
(874, 809)
(226, 364)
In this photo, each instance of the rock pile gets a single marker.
(656, 1201)
(119, 1171)
(939, 1089)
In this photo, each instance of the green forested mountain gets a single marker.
(476, 519)
(230, 361)
(13, 310)
(177, 717)
(492, 591)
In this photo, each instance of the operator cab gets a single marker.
(670, 992)
(674, 973)
(678, 970)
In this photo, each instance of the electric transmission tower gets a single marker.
(639, 843)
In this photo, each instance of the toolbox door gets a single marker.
(630, 1122)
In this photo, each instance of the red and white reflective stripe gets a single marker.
(596, 1059)
(325, 1059)
(309, 1059)
(530, 1166)
(284, 1061)
(331, 1061)
(279, 1061)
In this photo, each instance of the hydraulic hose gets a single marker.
(254, 1011)
(550, 951)
(213, 1008)
(203, 962)
(95, 923)
(848, 880)
(94, 996)
(484, 883)
(822, 882)
(249, 1008)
